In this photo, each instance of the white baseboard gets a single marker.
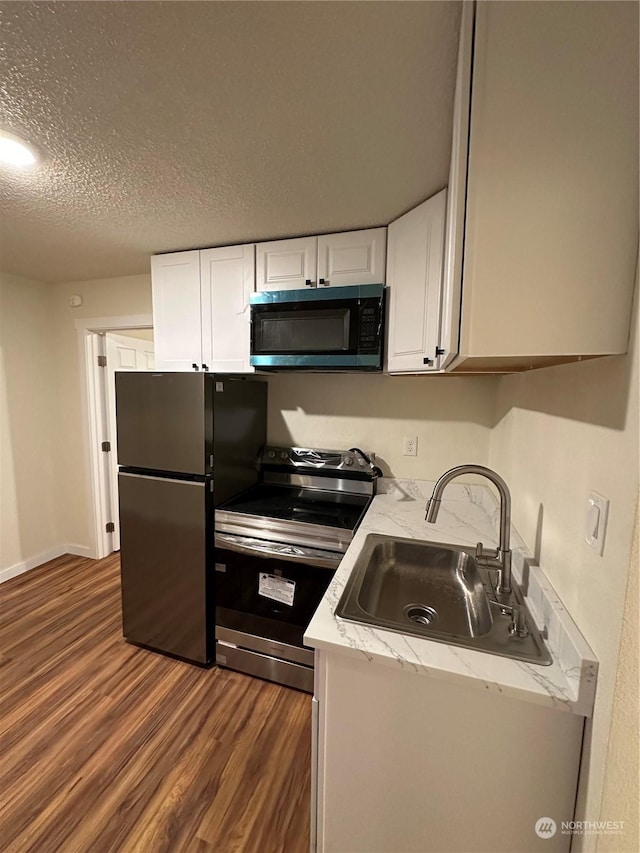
(80, 551)
(43, 557)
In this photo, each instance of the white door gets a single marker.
(228, 280)
(286, 264)
(124, 352)
(414, 277)
(175, 284)
(352, 257)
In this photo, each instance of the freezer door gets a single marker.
(166, 603)
(164, 421)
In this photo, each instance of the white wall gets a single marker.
(451, 415)
(29, 404)
(560, 433)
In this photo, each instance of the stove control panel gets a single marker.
(308, 457)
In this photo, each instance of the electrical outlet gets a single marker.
(410, 445)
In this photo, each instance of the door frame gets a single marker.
(90, 333)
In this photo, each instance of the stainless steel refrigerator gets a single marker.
(186, 443)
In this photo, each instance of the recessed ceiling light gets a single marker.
(15, 151)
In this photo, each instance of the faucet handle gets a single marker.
(518, 627)
(487, 554)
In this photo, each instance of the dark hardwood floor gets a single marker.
(108, 747)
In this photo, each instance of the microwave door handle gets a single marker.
(290, 553)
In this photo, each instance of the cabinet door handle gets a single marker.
(428, 361)
(308, 283)
(204, 367)
(324, 282)
(195, 366)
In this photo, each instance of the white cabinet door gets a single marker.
(456, 192)
(551, 241)
(227, 277)
(414, 277)
(352, 257)
(387, 779)
(175, 280)
(286, 264)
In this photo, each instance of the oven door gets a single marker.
(263, 606)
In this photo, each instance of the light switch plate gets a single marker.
(596, 521)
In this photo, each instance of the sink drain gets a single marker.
(421, 614)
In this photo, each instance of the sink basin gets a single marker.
(437, 591)
(435, 586)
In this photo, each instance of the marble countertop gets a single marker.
(468, 514)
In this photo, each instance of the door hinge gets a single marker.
(439, 351)
(102, 361)
(106, 446)
(110, 527)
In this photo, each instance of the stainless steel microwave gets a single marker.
(338, 328)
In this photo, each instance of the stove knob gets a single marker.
(272, 454)
(284, 454)
(348, 460)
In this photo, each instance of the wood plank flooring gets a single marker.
(107, 747)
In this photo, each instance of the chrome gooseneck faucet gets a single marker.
(499, 558)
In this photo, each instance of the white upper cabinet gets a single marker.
(177, 320)
(227, 280)
(286, 264)
(201, 309)
(352, 257)
(456, 193)
(331, 260)
(551, 219)
(414, 277)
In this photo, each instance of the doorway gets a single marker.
(107, 345)
(125, 349)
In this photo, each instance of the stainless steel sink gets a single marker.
(432, 586)
(437, 591)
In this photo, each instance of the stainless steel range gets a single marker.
(277, 548)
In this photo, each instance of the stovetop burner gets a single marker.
(309, 506)
(307, 497)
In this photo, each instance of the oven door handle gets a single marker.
(291, 553)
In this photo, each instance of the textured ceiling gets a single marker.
(174, 125)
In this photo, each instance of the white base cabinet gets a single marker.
(201, 316)
(407, 762)
(331, 260)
